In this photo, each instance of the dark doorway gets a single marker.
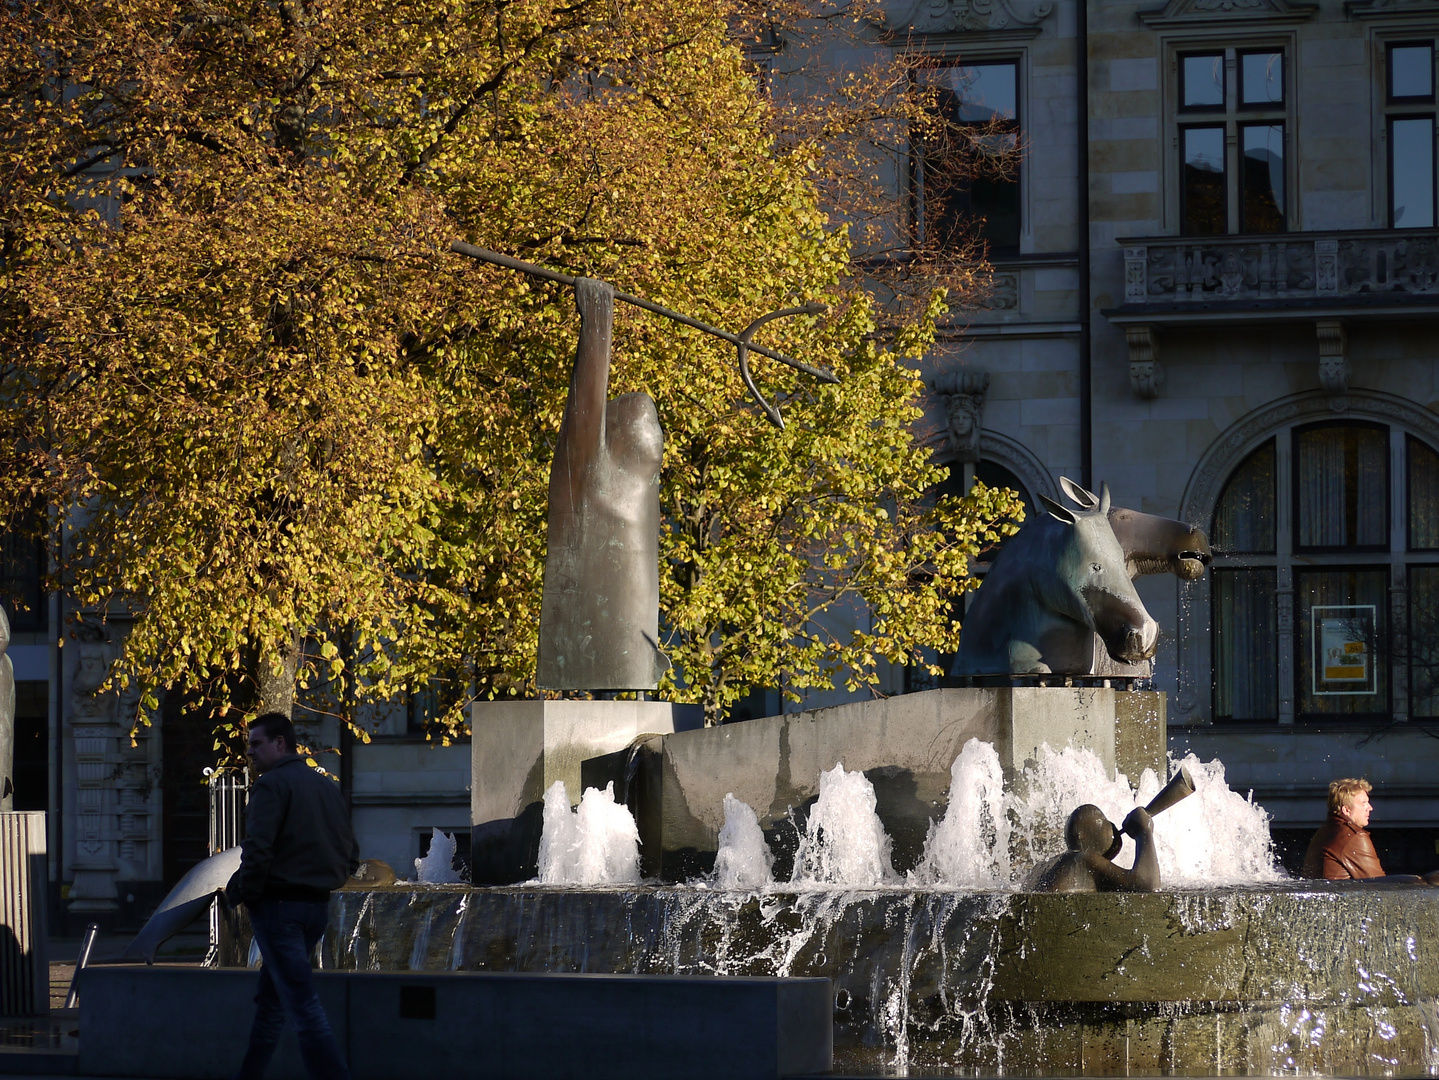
(32, 745)
(187, 749)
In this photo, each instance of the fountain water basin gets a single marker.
(951, 968)
(1281, 979)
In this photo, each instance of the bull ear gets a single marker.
(1104, 498)
(1086, 499)
(1059, 513)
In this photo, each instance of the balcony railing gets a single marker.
(1369, 266)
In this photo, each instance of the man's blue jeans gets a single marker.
(287, 932)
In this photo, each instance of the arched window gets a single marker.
(1324, 594)
(961, 479)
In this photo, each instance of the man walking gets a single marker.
(298, 847)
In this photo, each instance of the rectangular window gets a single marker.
(966, 169)
(1261, 79)
(1342, 622)
(1423, 497)
(1409, 83)
(1246, 684)
(1411, 172)
(1233, 117)
(1261, 181)
(22, 573)
(1201, 81)
(1411, 73)
(1341, 487)
(1203, 193)
(1424, 641)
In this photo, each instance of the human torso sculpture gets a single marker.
(1044, 609)
(599, 620)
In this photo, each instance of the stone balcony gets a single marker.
(1325, 278)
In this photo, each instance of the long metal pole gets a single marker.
(486, 255)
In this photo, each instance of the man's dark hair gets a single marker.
(276, 726)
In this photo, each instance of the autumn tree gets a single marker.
(307, 445)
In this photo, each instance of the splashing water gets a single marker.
(1048, 791)
(844, 843)
(1214, 837)
(970, 847)
(596, 844)
(437, 867)
(743, 860)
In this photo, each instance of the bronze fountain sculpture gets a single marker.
(599, 619)
(1060, 598)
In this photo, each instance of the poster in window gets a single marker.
(1343, 637)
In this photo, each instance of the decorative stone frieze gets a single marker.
(964, 393)
(1334, 369)
(1364, 266)
(963, 16)
(1189, 12)
(1145, 374)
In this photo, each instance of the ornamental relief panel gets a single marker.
(963, 16)
(1368, 265)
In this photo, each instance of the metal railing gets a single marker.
(228, 792)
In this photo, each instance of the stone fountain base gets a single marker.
(1303, 977)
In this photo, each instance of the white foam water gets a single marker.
(597, 843)
(844, 843)
(969, 847)
(1214, 837)
(437, 867)
(744, 860)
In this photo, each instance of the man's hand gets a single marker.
(1139, 823)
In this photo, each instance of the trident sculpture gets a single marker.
(599, 618)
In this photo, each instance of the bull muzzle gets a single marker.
(1140, 643)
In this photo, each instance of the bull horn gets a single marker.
(1104, 498)
(1180, 786)
(1086, 499)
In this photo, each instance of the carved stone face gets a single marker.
(963, 415)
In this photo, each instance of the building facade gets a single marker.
(1230, 320)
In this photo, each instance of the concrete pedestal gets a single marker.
(520, 748)
(193, 1023)
(905, 746)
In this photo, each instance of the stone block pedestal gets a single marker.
(905, 745)
(520, 748)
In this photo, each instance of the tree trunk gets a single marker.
(275, 689)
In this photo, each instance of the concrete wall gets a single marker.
(904, 745)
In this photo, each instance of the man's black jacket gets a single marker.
(298, 841)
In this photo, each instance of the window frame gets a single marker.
(1289, 564)
(1334, 549)
(1410, 566)
(1240, 105)
(1231, 115)
(1184, 130)
(918, 216)
(1394, 109)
